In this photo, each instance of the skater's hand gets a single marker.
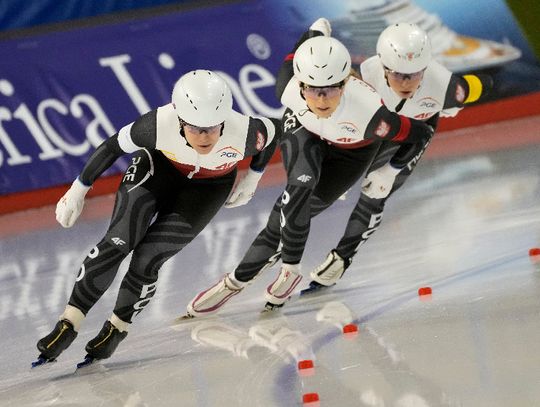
(70, 206)
(244, 190)
(322, 25)
(379, 183)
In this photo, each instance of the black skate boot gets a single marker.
(106, 341)
(52, 345)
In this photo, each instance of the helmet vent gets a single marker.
(191, 101)
(220, 100)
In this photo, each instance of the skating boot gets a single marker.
(328, 273)
(281, 289)
(52, 345)
(212, 299)
(104, 344)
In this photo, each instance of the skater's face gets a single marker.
(202, 139)
(404, 85)
(323, 101)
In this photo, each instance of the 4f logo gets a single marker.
(423, 116)
(225, 166)
(304, 178)
(117, 241)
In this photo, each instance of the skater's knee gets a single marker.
(146, 263)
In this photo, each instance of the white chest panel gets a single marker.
(227, 152)
(348, 123)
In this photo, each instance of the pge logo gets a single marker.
(349, 127)
(290, 121)
(228, 154)
(429, 105)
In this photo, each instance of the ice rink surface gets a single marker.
(460, 225)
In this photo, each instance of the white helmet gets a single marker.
(321, 61)
(404, 48)
(202, 98)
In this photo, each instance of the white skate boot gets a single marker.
(281, 289)
(328, 272)
(211, 300)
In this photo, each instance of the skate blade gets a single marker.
(180, 323)
(86, 363)
(270, 307)
(314, 289)
(184, 318)
(41, 361)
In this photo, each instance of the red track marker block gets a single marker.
(350, 330)
(424, 291)
(534, 254)
(306, 368)
(311, 400)
(425, 294)
(305, 364)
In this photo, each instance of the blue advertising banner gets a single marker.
(62, 93)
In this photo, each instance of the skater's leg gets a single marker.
(264, 251)
(262, 254)
(367, 215)
(365, 218)
(134, 208)
(281, 231)
(177, 224)
(133, 211)
(339, 170)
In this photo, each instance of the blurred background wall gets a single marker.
(74, 72)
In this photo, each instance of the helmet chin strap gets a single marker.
(182, 132)
(386, 79)
(184, 136)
